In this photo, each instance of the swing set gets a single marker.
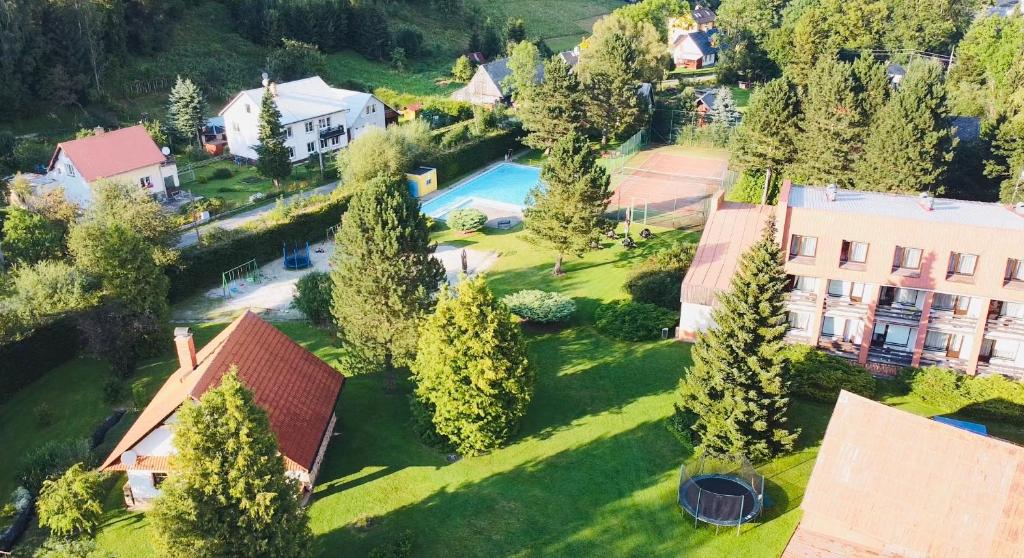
(235, 280)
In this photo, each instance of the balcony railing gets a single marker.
(995, 366)
(1005, 324)
(898, 313)
(940, 358)
(838, 346)
(331, 131)
(891, 354)
(952, 319)
(845, 304)
(800, 299)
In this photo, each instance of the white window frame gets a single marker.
(323, 143)
(335, 140)
(963, 264)
(309, 127)
(800, 245)
(310, 147)
(904, 258)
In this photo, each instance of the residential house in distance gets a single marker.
(890, 483)
(296, 389)
(702, 18)
(317, 118)
(487, 85)
(127, 155)
(886, 280)
(695, 50)
(1007, 8)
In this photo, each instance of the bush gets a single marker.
(473, 154)
(540, 306)
(680, 424)
(819, 376)
(657, 279)
(633, 321)
(313, 297)
(399, 547)
(222, 173)
(51, 460)
(466, 220)
(410, 40)
(454, 137)
(986, 397)
(114, 390)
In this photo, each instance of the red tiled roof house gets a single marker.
(296, 389)
(126, 155)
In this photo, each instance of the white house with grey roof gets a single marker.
(317, 118)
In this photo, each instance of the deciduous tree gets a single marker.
(566, 211)
(473, 380)
(384, 275)
(29, 238)
(523, 63)
(227, 493)
(70, 504)
(738, 386)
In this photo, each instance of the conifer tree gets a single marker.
(566, 211)
(274, 161)
(384, 275)
(738, 386)
(473, 380)
(227, 493)
(185, 108)
(554, 108)
(832, 126)
(612, 105)
(911, 143)
(811, 44)
(764, 138)
(871, 86)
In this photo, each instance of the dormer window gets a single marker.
(802, 246)
(1014, 270)
(907, 259)
(961, 265)
(853, 252)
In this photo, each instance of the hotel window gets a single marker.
(335, 140)
(1011, 310)
(70, 169)
(958, 304)
(890, 335)
(803, 284)
(1015, 270)
(854, 252)
(1002, 349)
(802, 246)
(906, 297)
(798, 320)
(907, 258)
(836, 288)
(962, 264)
(828, 326)
(323, 144)
(310, 147)
(309, 127)
(158, 479)
(936, 341)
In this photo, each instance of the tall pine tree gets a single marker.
(738, 385)
(764, 139)
(384, 275)
(227, 494)
(274, 161)
(554, 108)
(831, 128)
(473, 381)
(871, 86)
(911, 144)
(185, 108)
(566, 211)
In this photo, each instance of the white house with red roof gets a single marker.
(296, 389)
(127, 155)
(317, 118)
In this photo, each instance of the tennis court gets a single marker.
(667, 187)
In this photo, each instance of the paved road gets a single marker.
(188, 238)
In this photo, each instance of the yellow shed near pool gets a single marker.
(422, 181)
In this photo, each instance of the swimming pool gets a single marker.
(505, 184)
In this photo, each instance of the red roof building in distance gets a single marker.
(889, 483)
(296, 389)
(126, 155)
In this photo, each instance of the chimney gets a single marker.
(927, 200)
(186, 348)
(831, 191)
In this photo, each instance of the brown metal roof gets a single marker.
(890, 483)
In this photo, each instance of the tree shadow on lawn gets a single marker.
(535, 508)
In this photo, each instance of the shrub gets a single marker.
(43, 414)
(313, 297)
(51, 460)
(633, 321)
(657, 279)
(221, 173)
(466, 220)
(472, 155)
(456, 136)
(410, 40)
(114, 390)
(819, 376)
(986, 397)
(540, 306)
(680, 424)
(399, 547)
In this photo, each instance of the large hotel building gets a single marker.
(887, 280)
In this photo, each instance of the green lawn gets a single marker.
(244, 182)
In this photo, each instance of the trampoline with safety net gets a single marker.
(721, 491)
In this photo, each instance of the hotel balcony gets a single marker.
(838, 347)
(997, 366)
(332, 131)
(1005, 324)
(801, 300)
(844, 305)
(891, 354)
(952, 320)
(940, 358)
(898, 313)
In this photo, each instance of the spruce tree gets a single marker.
(811, 44)
(831, 128)
(612, 104)
(185, 108)
(554, 108)
(274, 161)
(764, 139)
(473, 380)
(871, 86)
(566, 211)
(738, 386)
(227, 493)
(911, 143)
(384, 275)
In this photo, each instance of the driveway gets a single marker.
(188, 238)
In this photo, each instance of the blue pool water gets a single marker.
(507, 183)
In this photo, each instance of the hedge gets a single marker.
(819, 376)
(633, 321)
(46, 347)
(199, 267)
(986, 397)
(472, 155)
